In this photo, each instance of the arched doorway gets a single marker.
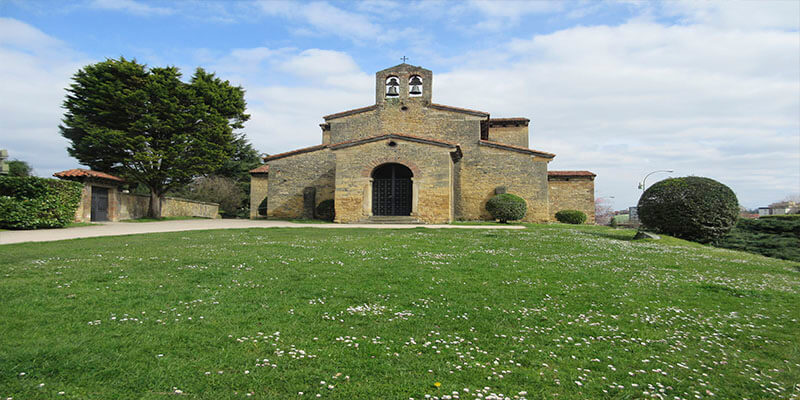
(391, 190)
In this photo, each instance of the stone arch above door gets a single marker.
(367, 171)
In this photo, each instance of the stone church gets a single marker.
(408, 159)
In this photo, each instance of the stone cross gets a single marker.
(404, 58)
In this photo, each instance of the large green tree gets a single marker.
(150, 127)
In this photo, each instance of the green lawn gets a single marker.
(552, 311)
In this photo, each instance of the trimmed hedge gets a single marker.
(326, 210)
(773, 236)
(31, 203)
(507, 207)
(692, 208)
(571, 217)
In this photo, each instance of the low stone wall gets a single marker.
(175, 207)
(133, 206)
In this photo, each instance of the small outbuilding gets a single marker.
(103, 200)
(100, 198)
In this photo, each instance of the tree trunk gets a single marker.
(155, 205)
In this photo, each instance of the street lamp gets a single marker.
(642, 183)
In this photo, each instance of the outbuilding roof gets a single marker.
(263, 169)
(571, 174)
(86, 173)
(517, 149)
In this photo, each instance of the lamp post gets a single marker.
(642, 184)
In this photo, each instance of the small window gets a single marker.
(392, 86)
(415, 85)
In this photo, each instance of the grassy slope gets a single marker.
(393, 312)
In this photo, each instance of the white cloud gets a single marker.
(327, 19)
(740, 15)
(625, 100)
(35, 70)
(131, 6)
(288, 92)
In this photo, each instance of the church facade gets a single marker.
(406, 158)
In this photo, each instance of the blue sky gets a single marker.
(620, 88)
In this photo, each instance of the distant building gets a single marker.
(633, 213)
(781, 208)
(3, 163)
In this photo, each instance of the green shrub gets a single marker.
(780, 216)
(507, 207)
(692, 208)
(776, 236)
(571, 217)
(326, 210)
(31, 202)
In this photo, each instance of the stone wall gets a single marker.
(133, 206)
(84, 211)
(572, 193)
(290, 175)
(483, 169)
(431, 165)
(258, 192)
(176, 207)
(513, 135)
(417, 120)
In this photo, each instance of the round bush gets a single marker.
(571, 217)
(325, 210)
(507, 207)
(692, 208)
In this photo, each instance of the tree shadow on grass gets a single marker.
(622, 234)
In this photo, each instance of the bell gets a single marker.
(392, 92)
(415, 80)
(415, 90)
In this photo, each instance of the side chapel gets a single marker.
(407, 159)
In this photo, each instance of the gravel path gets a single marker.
(132, 228)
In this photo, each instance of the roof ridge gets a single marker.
(517, 148)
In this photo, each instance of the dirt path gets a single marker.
(131, 228)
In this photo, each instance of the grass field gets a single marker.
(551, 311)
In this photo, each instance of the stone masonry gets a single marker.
(457, 158)
(572, 190)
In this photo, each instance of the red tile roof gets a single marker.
(508, 121)
(458, 109)
(350, 112)
(294, 152)
(353, 142)
(86, 173)
(393, 136)
(570, 173)
(260, 170)
(518, 149)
